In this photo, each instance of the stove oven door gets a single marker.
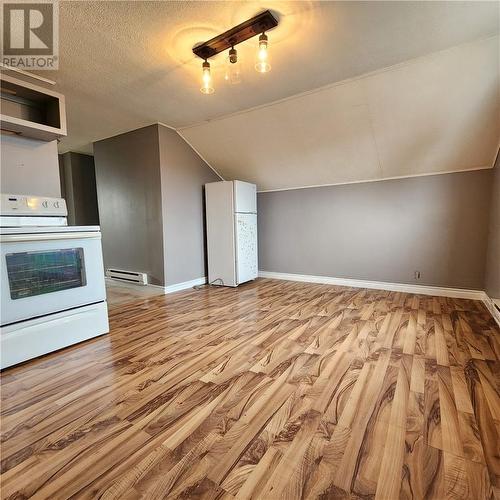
(49, 272)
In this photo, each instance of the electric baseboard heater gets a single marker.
(127, 276)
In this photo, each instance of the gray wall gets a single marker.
(150, 195)
(29, 166)
(183, 174)
(78, 188)
(492, 286)
(381, 231)
(130, 206)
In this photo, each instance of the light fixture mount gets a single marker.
(254, 26)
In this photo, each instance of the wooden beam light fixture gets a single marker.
(257, 25)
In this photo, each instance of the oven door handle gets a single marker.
(14, 238)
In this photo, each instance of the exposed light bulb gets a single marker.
(233, 68)
(262, 65)
(207, 87)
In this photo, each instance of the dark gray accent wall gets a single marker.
(78, 188)
(130, 206)
(381, 231)
(183, 175)
(150, 194)
(492, 285)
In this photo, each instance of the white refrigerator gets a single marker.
(231, 211)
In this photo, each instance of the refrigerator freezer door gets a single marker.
(245, 197)
(246, 247)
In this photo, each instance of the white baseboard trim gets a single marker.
(185, 285)
(490, 305)
(379, 285)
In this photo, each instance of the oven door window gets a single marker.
(37, 273)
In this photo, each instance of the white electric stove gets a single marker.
(52, 279)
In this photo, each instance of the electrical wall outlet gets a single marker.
(417, 275)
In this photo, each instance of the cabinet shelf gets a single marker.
(31, 111)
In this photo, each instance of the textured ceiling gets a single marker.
(438, 113)
(128, 64)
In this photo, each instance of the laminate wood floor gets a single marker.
(118, 293)
(272, 390)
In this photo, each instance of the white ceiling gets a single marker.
(439, 113)
(124, 65)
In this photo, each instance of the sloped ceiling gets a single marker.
(127, 64)
(438, 113)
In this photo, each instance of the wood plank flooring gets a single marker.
(119, 293)
(272, 390)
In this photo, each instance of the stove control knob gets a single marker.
(56, 204)
(45, 204)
